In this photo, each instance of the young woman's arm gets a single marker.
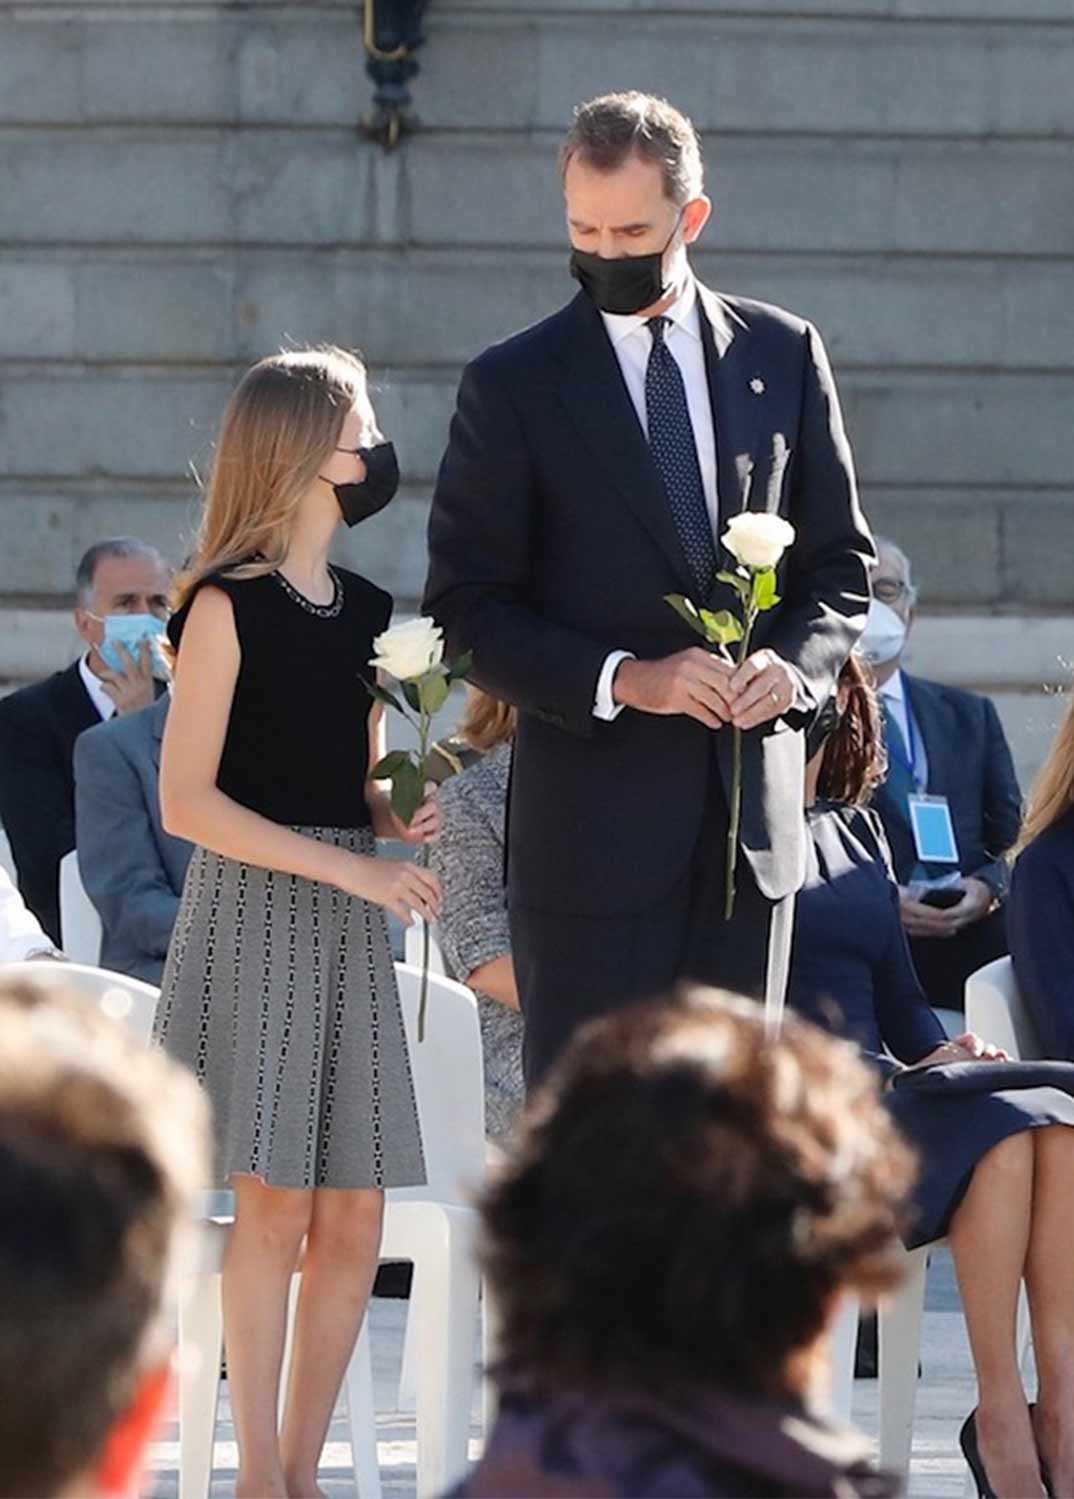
(193, 806)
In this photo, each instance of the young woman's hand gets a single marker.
(965, 1048)
(424, 827)
(403, 888)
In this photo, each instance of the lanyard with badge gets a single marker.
(930, 816)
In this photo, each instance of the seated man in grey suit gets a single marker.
(132, 869)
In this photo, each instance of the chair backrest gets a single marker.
(449, 1084)
(80, 926)
(413, 946)
(120, 998)
(994, 1009)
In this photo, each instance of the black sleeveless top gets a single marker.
(297, 746)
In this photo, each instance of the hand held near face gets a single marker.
(129, 631)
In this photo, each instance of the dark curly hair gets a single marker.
(686, 1197)
(855, 760)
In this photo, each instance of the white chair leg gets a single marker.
(361, 1413)
(490, 1347)
(843, 1344)
(447, 1310)
(201, 1341)
(1023, 1327)
(408, 1373)
(900, 1346)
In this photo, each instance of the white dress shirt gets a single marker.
(20, 934)
(632, 341)
(893, 694)
(95, 687)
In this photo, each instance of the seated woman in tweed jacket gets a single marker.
(473, 931)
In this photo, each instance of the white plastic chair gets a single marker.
(995, 1010)
(433, 1226)
(413, 947)
(80, 926)
(120, 997)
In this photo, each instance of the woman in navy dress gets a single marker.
(1040, 916)
(997, 1167)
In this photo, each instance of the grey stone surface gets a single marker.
(440, 306)
(158, 186)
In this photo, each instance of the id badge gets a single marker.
(934, 833)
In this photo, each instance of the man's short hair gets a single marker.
(885, 543)
(686, 1196)
(113, 546)
(607, 131)
(102, 1143)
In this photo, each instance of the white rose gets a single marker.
(756, 539)
(410, 649)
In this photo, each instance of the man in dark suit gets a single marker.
(593, 461)
(39, 724)
(132, 869)
(947, 742)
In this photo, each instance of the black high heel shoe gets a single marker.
(967, 1440)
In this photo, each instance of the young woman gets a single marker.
(996, 1165)
(1040, 914)
(279, 989)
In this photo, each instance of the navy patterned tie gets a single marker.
(671, 441)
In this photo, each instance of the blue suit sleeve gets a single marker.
(481, 530)
(118, 857)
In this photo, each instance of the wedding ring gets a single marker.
(774, 695)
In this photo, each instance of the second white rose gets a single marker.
(409, 650)
(757, 539)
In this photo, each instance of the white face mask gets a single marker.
(884, 635)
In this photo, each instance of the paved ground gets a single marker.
(945, 1395)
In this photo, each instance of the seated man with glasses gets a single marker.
(947, 758)
(121, 604)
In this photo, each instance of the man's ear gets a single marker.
(695, 216)
(120, 1465)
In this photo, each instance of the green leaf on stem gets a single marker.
(737, 581)
(721, 628)
(764, 589)
(433, 689)
(460, 669)
(381, 694)
(687, 611)
(384, 769)
(412, 695)
(408, 791)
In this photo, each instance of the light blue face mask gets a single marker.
(130, 630)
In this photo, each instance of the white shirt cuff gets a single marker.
(605, 705)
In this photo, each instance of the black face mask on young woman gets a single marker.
(359, 501)
(624, 283)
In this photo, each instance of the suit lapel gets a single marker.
(600, 406)
(928, 714)
(736, 411)
(73, 706)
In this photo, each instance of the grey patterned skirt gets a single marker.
(279, 994)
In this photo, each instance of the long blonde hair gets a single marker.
(281, 423)
(1053, 790)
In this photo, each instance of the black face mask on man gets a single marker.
(624, 283)
(359, 501)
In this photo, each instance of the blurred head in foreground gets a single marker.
(102, 1143)
(687, 1200)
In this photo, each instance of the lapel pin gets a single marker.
(757, 385)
